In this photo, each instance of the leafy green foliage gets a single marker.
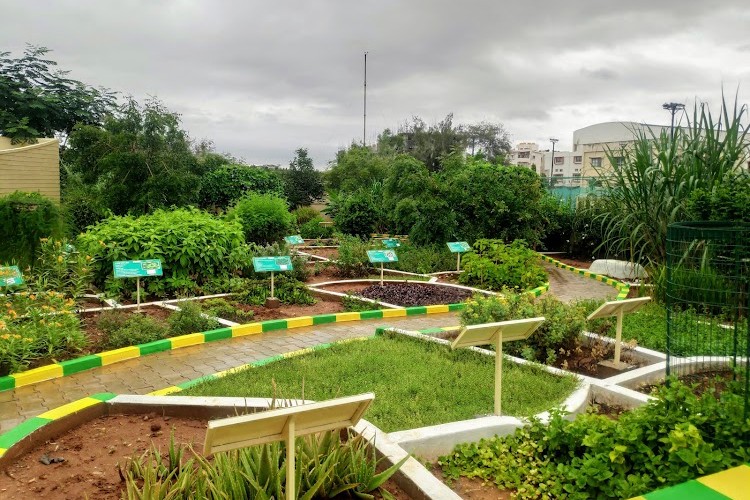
(37, 327)
(38, 101)
(352, 261)
(727, 202)
(356, 168)
(61, 268)
(561, 330)
(408, 397)
(222, 308)
(353, 304)
(493, 265)
(303, 185)
(194, 248)
(677, 437)
(141, 159)
(190, 319)
(120, 329)
(25, 218)
(326, 467)
(313, 229)
(265, 218)
(303, 215)
(424, 259)
(223, 186)
(357, 214)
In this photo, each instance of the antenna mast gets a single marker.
(364, 120)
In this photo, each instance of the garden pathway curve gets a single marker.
(167, 368)
(569, 286)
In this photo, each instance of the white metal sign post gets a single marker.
(285, 424)
(618, 308)
(496, 334)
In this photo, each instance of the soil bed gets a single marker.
(471, 488)
(415, 294)
(89, 303)
(717, 380)
(262, 313)
(612, 412)
(92, 452)
(95, 335)
(328, 253)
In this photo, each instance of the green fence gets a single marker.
(708, 277)
(568, 189)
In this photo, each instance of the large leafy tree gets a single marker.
(139, 161)
(38, 101)
(427, 143)
(356, 168)
(489, 139)
(303, 185)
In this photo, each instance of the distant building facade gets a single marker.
(30, 167)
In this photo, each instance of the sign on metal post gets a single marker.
(272, 265)
(496, 334)
(391, 243)
(10, 276)
(137, 269)
(285, 424)
(382, 256)
(618, 308)
(458, 247)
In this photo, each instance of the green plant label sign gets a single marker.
(269, 264)
(10, 276)
(391, 243)
(294, 239)
(458, 246)
(137, 268)
(382, 256)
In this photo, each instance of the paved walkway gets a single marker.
(568, 286)
(164, 369)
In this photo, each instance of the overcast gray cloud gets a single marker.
(261, 79)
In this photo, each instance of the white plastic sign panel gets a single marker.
(487, 333)
(614, 307)
(273, 425)
(272, 264)
(137, 268)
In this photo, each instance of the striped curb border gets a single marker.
(24, 429)
(729, 484)
(622, 288)
(70, 367)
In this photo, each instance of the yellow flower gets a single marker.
(2, 325)
(60, 258)
(32, 296)
(88, 257)
(5, 336)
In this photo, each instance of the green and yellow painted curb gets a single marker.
(70, 367)
(622, 288)
(730, 484)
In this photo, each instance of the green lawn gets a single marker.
(416, 383)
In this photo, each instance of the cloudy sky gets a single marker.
(261, 79)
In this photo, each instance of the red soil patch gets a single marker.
(94, 335)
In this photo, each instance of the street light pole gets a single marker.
(672, 107)
(552, 160)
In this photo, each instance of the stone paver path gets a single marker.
(164, 369)
(568, 286)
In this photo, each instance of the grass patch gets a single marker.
(416, 383)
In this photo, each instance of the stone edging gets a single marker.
(65, 368)
(622, 288)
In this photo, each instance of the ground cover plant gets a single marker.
(326, 467)
(674, 438)
(424, 259)
(413, 294)
(493, 265)
(402, 373)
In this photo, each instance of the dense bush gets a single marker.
(194, 247)
(728, 202)
(424, 259)
(222, 308)
(190, 319)
(223, 186)
(358, 214)
(559, 215)
(25, 218)
(122, 330)
(313, 229)
(674, 438)
(561, 330)
(82, 206)
(303, 215)
(265, 218)
(493, 265)
(352, 261)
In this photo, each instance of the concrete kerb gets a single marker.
(622, 288)
(88, 362)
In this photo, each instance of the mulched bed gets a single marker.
(328, 253)
(414, 294)
(718, 380)
(94, 335)
(262, 313)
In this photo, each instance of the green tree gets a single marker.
(428, 144)
(224, 185)
(38, 101)
(489, 139)
(356, 168)
(140, 160)
(303, 185)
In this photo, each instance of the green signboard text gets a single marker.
(458, 246)
(270, 264)
(137, 268)
(382, 256)
(10, 276)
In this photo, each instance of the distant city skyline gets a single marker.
(263, 79)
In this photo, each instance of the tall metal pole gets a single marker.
(672, 107)
(552, 160)
(364, 121)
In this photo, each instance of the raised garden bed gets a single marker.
(699, 382)
(89, 321)
(262, 313)
(415, 294)
(328, 253)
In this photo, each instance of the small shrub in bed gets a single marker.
(134, 329)
(352, 261)
(493, 265)
(190, 319)
(265, 218)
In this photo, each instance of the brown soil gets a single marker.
(612, 412)
(471, 489)
(350, 288)
(92, 452)
(87, 303)
(326, 274)
(328, 253)
(586, 357)
(579, 264)
(262, 313)
(716, 380)
(95, 335)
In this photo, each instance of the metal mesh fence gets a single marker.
(708, 277)
(569, 189)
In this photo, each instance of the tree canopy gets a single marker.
(303, 184)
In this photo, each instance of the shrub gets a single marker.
(60, 267)
(424, 259)
(674, 438)
(190, 319)
(303, 215)
(25, 218)
(122, 329)
(493, 265)
(222, 308)
(357, 214)
(265, 218)
(294, 292)
(352, 261)
(312, 229)
(560, 331)
(82, 207)
(194, 247)
(37, 326)
(225, 185)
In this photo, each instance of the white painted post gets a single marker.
(290, 445)
(618, 337)
(381, 274)
(498, 373)
(458, 262)
(138, 294)
(272, 296)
